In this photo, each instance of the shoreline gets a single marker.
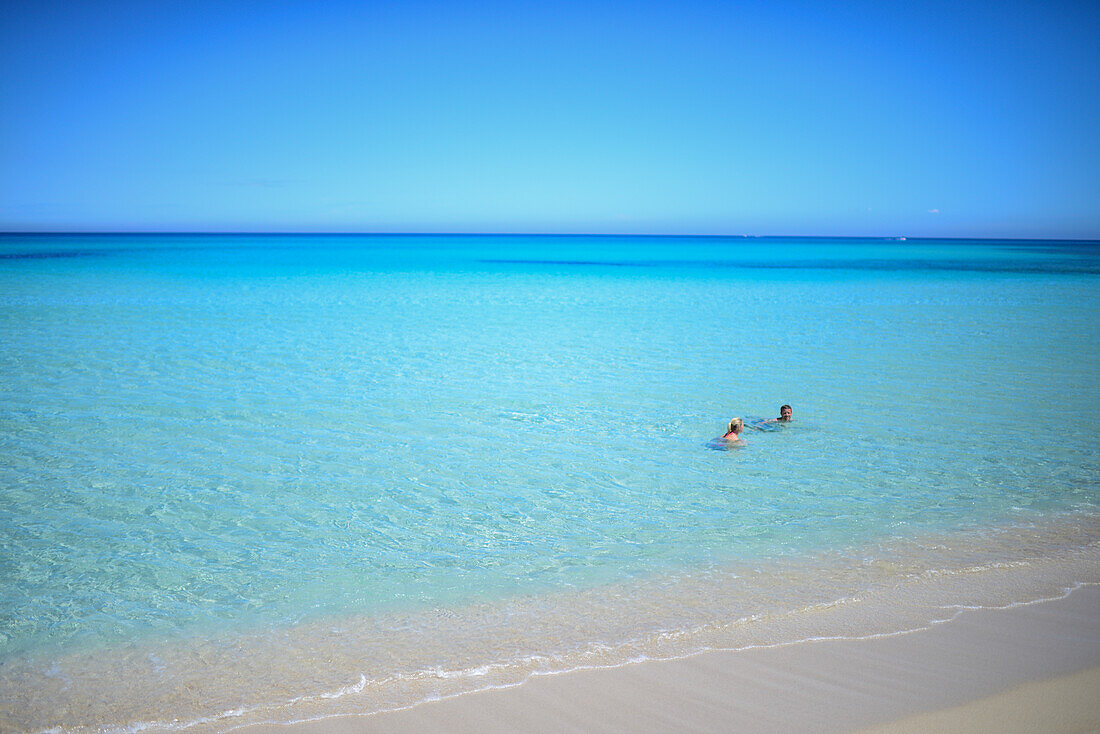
(381, 666)
(1044, 652)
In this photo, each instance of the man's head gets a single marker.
(785, 413)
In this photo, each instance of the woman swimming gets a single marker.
(733, 433)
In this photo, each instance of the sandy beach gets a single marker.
(1025, 668)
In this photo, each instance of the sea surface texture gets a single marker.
(272, 477)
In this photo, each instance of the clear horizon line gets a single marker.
(299, 233)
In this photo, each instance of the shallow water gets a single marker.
(211, 442)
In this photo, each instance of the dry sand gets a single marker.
(1028, 668)
(1070, 703)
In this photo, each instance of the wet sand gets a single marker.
(1035, 666)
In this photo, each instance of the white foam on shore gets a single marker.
(642, 659)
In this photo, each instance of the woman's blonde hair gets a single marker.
(736, 423)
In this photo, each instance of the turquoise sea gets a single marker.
(274, 477)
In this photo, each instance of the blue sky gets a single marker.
(876, 118)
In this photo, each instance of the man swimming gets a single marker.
(784, 415)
